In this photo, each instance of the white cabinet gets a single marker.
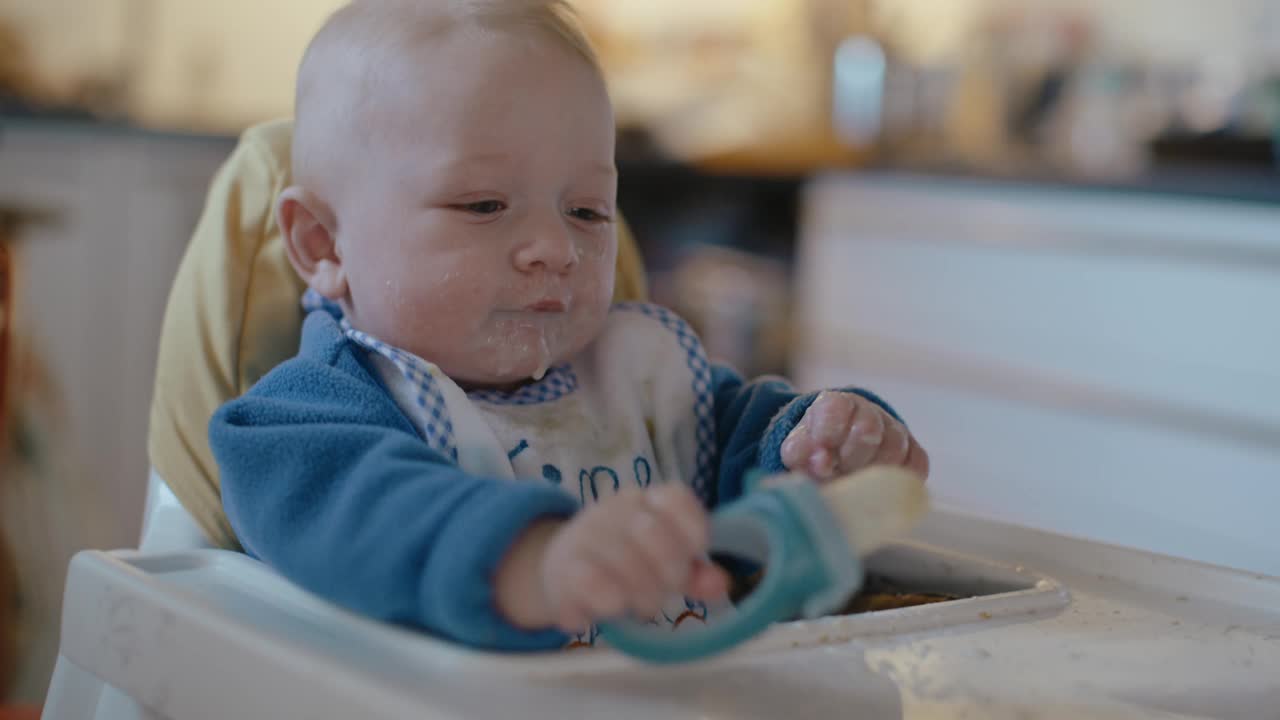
(91, 292)
(93, 287)
(1100, 365)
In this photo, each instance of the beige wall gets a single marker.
(67, 36)
(216, 65)
(227, 63)
(1157, 30)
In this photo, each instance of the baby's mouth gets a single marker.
(547, 305)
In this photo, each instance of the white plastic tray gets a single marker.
(1091, 631)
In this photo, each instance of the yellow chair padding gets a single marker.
(234, 314)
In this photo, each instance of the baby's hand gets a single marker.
(627, 554)
(841, 433)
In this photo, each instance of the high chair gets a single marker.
(186, 628)
(233, 314)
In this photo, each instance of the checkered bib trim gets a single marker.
(557, 383)
(438, 428)
(704, 403)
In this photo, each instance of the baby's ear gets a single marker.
(308, 227)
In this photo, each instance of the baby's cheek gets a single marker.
(469, 297)
(602, 246)
(599, 257)
(445, 306)
(593, 285)
(582, 326)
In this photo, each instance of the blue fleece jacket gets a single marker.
(324, 479)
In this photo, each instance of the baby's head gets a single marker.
(454, 182)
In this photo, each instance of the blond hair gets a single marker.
(363, 35)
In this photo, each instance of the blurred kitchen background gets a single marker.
(1047, 230)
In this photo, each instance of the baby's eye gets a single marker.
(588, 215)
(483, 207)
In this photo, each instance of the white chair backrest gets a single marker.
(166, 524)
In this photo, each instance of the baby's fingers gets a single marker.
(621, 557)
(573, 621)
(829, 416)
(664, 547)
(917, 459)
(707, 581)
(813, 446)
(866, 433)
(797, 448)
(590, 594)
(895, 445)
(679, 509)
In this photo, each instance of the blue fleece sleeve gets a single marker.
(752, 420)
(325, 480)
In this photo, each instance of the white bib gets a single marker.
(633, 409)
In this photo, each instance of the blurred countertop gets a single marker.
(1236, 184)
(1240, 184)
(77, 125)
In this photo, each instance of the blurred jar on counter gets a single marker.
(738, 302)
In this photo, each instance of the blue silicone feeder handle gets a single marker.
(769, 527)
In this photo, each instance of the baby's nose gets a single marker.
(552, 249)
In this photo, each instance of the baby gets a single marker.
(471, 439)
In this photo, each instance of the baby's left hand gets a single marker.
(841, 433)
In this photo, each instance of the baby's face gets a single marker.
(477, 230)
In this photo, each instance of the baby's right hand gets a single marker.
(629, 553)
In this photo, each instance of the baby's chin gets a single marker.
(528, 351)
(514, 365)
(532, 366)
(506, 379)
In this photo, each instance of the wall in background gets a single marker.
(68, 38)
(226, 64)
(212, 66)
(1153, 30)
